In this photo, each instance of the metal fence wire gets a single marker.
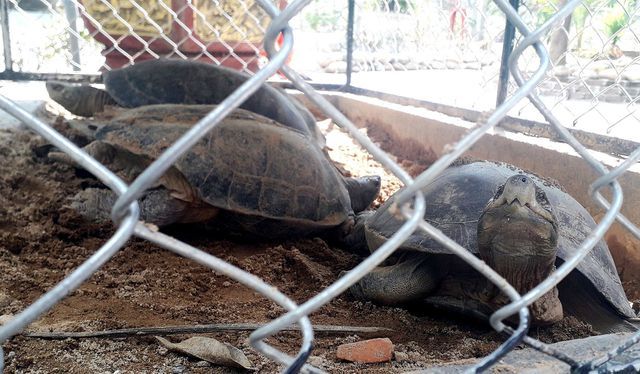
(268, 22)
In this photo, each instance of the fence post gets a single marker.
(507, 47)
(350, 20)
(6, 40)
(72, 18)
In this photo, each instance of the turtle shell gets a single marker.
(247, 164)
(455, 200)
(167, 81)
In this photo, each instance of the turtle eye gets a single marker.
(524, 179)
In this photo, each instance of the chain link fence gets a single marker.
(460, 41)
(89, 36)
(592, 82)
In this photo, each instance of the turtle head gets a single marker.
(521, 192)
(62, 93)
(69, 95)
(519, 189)
(517, 237)
(80, 99)
(362, 191)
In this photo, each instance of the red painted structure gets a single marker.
(179, 34)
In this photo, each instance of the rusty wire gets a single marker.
(410, 202)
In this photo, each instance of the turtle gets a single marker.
(521, 225)
(177, 81)
(270, 180)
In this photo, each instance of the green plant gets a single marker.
(614, 21)
(323, 19)
(399, 6)
(544, 9)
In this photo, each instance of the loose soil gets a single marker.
(42, 240)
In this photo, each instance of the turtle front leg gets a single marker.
(415, 276)
(94, 204)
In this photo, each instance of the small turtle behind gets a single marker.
(520, 225)
(168, 81)
(270, 179)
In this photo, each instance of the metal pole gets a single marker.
(507, 47)
(350, 20)
(72, 17)
(6, 40)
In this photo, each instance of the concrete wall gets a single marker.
(544, 157)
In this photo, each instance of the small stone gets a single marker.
(563, 71)
(5, 300)
(399, 67)
(611, 74)
(411, 65)
(162, 351)
(226, 284)
(336, 67)
(472, 65)
(438, 65)
(367, 351)
(5, 318)
(178, 369)
(202, 364)
(316, 361)
(631, 74)
(401, 356)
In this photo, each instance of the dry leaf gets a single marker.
(211, 350)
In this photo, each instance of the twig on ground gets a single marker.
(197, 329)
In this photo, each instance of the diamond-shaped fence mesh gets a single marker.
(444, 52)
(101, 35)
(592, 82)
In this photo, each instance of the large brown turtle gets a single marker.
(270, 179)
(173, 81)
(520, 225)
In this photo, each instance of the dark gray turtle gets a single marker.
(180, 82)
(520, 225)
(270, 179)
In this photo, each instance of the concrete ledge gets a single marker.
(435, 131)
(531, 361)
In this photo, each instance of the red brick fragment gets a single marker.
(367, 351)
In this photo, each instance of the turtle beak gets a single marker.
(516, 200)
(519, 191)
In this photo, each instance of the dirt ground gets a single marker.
(42, 240)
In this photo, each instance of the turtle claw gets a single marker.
(94, 204)
(61, 157)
